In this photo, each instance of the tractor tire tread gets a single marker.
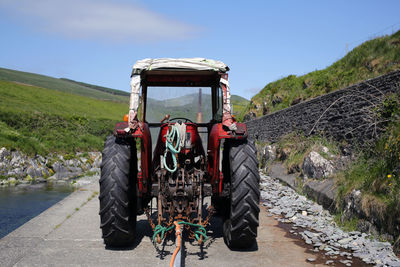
(118, 218)
(240, 229)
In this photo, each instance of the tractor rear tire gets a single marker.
(118, 192)
(240, 227)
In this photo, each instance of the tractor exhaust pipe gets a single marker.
(199, 111)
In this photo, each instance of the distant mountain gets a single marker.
(187, 106)
(183, 107)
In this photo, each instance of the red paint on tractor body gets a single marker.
(190, 128)
(216, 131)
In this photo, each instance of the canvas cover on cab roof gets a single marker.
(179, 64)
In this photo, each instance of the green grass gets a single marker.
(372, 58)
(296, 147)
(38, 121)
(347, 225)
(239, 104)
(63, 85)
(19, 98)
(41, 114)
(377, 171)
(99, 88)
(95, 91)
(374, 168)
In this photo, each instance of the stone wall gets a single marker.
(343, 114)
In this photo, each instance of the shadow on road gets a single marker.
(190, 248)
(143, 229)
(214, 231)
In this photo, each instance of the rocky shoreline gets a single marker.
(19, 169)
(317, 228)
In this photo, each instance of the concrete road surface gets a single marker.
(68, 234)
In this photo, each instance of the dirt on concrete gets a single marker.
(68, 234)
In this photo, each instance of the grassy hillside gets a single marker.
(370, 59)
(99, 88)
(90, 90)
(62, 85)
(373, 169)
(41, 114)
(40, 120)
(239, 104)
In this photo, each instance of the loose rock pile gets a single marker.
(17, 168)
(317, 227)
(316, 166)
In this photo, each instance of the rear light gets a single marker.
(121, 132)
(126, 117)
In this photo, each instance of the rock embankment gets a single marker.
(17, 168)
(315, 176)
(317, 228)
(344, 114)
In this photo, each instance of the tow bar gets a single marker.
(199, 233)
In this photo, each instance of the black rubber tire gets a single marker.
(240, 227)
(118, 192)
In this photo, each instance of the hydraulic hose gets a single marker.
(170, 147)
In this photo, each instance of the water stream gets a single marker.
(20, 204)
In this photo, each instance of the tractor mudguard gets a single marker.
(219, 132)
(142, 132)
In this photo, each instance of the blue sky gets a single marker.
(98, 41)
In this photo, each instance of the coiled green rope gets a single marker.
(201, 230)
(169, 147)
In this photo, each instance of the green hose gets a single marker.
(161, 230)
(169, 146)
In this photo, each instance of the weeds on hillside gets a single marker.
(371, 59)
(378, 169)
(348, 225)
(44, 133)
(38, 121)
(376, 173)
(294, 147)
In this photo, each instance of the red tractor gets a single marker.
(180, 174)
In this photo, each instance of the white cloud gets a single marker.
(99, 20)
